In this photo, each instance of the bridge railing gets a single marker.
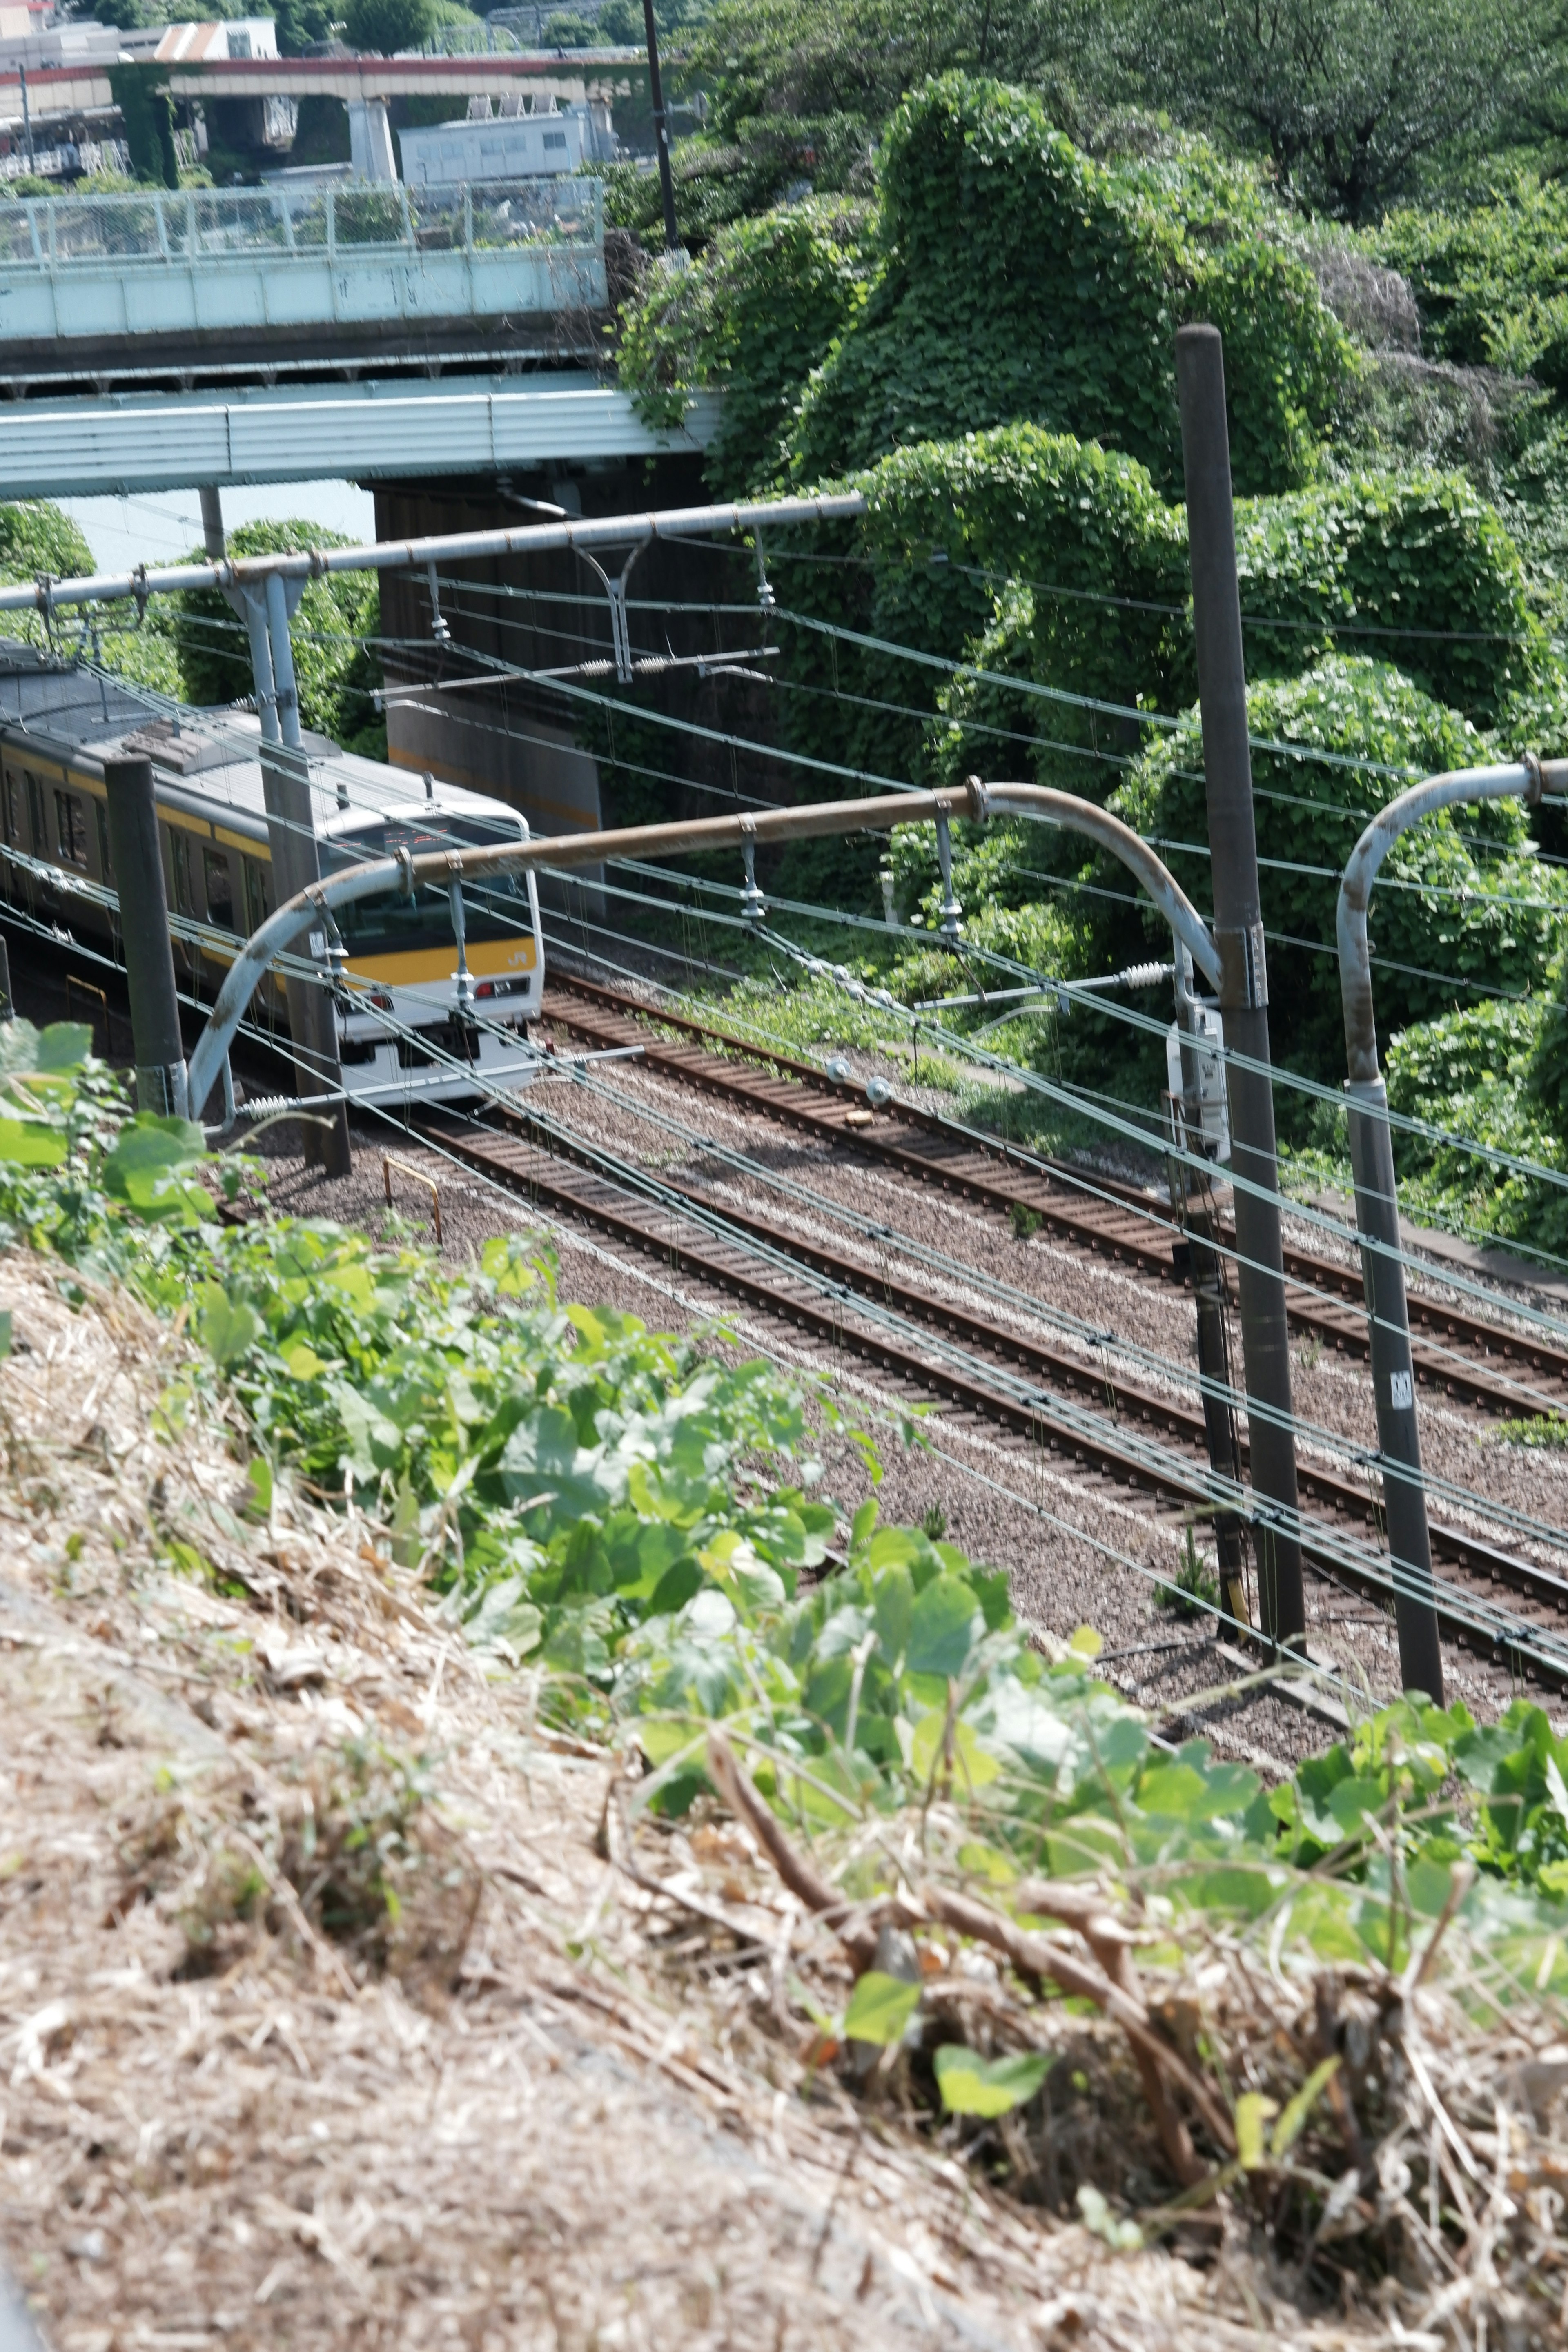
(195, 225)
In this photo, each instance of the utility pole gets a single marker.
(1244, 982)
(292, 833)
(137, 858)
(661, 132)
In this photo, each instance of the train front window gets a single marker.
(494, 908)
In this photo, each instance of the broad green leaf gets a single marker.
(945, 1623)
(1252, 2112)
(303, 1361)
(32, 1143)
(863, 1525)
(151, 1167)
(892, 1607)
(971, 2085)
(228, 1328)
(513, 1273)
(1354, 1802)
(5, 1313)
(880, 2007)
(973, 1767)
(64, 1045)
(1086, 1643)
(258, 1478)
(1179, 1791)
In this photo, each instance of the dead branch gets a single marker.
(1028, 1951)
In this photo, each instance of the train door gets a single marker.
(106, 874)
(181, 901)
(13, 825)
(41, 898)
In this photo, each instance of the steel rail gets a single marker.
(609, 1192)
(1096, 1211)
(1075, 1373)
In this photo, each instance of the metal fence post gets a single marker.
(1244, 988)
(138, 861)
(324, 1076)
(661, 130)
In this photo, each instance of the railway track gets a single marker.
(1508, 1373)
(1100, 1421)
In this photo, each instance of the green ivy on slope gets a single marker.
(1492, 282)
(1462, 898)
(1019, 278)
(752, 317)
(1490, 1073)
(1418, 569)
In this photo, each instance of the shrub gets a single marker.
(1462, 902)
(1019, 278)
(1492, 282)
(754, 315)
(37, 536)
(1488, 1074)
(1059, 563)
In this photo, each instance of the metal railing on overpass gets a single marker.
(206, 224)
(214, 260)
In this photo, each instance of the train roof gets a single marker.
(209, 760)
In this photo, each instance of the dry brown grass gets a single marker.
(339, 2005)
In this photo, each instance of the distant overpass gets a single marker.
(166, 283)
(470, 425)
(571, 77)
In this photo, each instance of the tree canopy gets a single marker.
(1349, 97)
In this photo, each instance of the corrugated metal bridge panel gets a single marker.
(86, 447)
(216, 292)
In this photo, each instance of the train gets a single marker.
(401, 1036)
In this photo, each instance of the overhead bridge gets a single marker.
(477, 425)
(256, 278)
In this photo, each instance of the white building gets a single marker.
(508, 146)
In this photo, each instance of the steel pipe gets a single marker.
(1099, 826)
(816, 821)
(235, 574)
(1377, 1201)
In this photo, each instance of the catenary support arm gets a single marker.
(1377, 1202)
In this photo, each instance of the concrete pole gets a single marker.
(1244, 985)
(324, 1075)
(213, 536)
(661, 130)
(1206, 1269)
(137, 857)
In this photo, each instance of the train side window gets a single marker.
(11, 808)
(38, 841)
(180, 858)
(218, 883)
(105, 863)
(257, 894)
(70, 829)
